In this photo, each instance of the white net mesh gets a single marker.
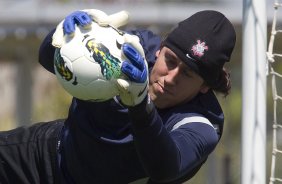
(274, 55)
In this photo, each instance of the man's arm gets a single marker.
(170, 155)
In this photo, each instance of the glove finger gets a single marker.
(83, 19)
(123, 85)
(134, 41)
(118, 19)
(69, 25)
(133, 55)
(133, 73)
(98, 16)
(58, 36)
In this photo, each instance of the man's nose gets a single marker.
(171, 77)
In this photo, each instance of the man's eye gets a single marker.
(187, 73)
(170, 61)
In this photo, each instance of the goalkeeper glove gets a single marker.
(84, 19)
(133, 90)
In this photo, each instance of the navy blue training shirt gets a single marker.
(105, 143)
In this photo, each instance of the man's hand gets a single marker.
(133, 91)
(84, 19)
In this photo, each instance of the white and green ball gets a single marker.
(89, 63)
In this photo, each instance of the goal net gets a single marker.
(274, 56)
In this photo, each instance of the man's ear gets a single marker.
(204, 89)
(158, 53)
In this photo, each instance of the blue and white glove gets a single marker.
(84, 19)
(132, 91)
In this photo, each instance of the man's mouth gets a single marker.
(164, 90)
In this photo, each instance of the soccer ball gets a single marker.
(89, 63)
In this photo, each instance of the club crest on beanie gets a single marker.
(204, 41)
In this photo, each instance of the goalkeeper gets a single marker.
(160, 129)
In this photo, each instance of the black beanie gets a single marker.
(204, 42)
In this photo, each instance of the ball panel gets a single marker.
(104, 91)
(86, 71)
(62, 66)
(74, 49)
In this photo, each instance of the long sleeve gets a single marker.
(153, 143)
(170, 155)
(46, 53)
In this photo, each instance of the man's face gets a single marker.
(172, 82)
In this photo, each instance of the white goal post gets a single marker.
(253, 161)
